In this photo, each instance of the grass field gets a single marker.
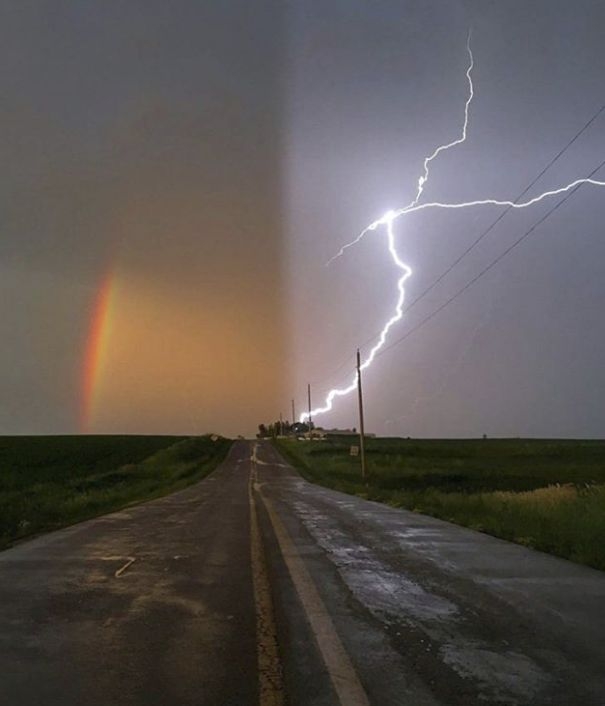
(47, 482)
(547, 494)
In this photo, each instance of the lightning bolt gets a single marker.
(388, 219)
(423, 178)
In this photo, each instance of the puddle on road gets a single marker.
(390, 593)
(503, 677)
(507, 676)
(384, 592)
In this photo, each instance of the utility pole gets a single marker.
(281, 425)
(309, 420)
(293, 415)
(362, 448)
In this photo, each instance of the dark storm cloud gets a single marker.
(148, 133)
(186, 140)
(519, 352)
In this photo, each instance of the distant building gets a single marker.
(316, 434)
(346, 432)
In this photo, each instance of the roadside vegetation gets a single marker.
(546, 494)
(54, 481)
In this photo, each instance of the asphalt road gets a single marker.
(255, 587)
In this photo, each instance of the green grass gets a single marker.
(53, 481)
(547, 494)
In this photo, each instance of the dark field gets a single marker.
(547, 494)
(50, 482)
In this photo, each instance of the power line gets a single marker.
(501, 216)
(486, 269)
(476, 242)
(334, 372)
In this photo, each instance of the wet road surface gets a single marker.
(255, 587)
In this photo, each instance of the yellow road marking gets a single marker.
(271, 691)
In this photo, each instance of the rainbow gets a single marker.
(95, 357)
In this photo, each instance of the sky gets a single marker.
(142, 145)
(373, 90)
(177, 175)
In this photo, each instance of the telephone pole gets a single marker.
(293, 414)
(309, 420)
(281, 425)
(362, 448)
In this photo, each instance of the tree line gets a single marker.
(283, 428)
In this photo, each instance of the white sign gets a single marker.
(354, 451)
